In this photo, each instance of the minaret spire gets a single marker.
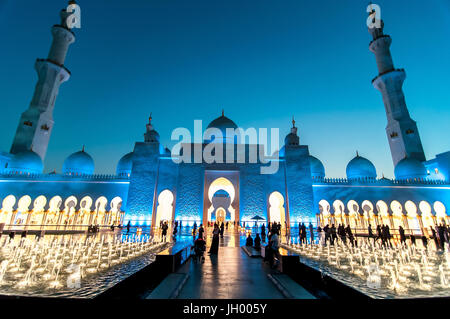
(36, 123)
(294, 128)
(401, 130)
(150, 135)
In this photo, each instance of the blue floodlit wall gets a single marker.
(253, 200)
(299, 184)
(189, 202)
(143, 179)
(383, 191)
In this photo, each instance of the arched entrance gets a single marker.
(220, 215)
(221, 200)
(164, 210)
(277, 212)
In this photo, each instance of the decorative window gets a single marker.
(394, 134)
(409, 131)
(45, 127)
(28, 123)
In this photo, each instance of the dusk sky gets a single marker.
(260, 60)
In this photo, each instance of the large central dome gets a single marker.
(222, 123)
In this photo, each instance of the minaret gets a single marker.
(150, 136)
(36, 123)
(401, 130)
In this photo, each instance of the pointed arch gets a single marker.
(277, 212)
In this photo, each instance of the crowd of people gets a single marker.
(440, 234)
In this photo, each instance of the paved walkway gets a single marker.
(231, 274)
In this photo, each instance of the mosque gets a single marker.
(150, 185)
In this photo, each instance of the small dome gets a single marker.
(125, 164)
(410, 168)
(26, 162)
(317, 168)
(360, 168)
(79, 163)
(222, 123)
(291, 139)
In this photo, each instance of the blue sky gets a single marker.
(260, 60)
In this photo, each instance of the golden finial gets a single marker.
(357, 154)
(82, 149)
(293, 121)
(223, 112)
(150, 118)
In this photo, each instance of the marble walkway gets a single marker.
(231, 274)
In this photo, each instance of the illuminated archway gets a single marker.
(22, 215)
(339, 213)
(226, 185)
(441, 215)
(85, 210)
(277, 212)
(325, 214)
(383, 212)
(369, 215)
(220, 215)
(38, 212)
(411, 214)
(7, 209)
(426, 214)
(397, 214)
(54, 210)
(164, 210)
(115, 211)
(100, 208)
(353, 213)
(68, 215)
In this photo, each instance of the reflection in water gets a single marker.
(72, 265)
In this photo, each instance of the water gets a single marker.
(75, 266)
(381, 273)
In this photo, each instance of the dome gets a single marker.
(410, 168)
(79, 163)
(222, 123)
(360, 168)
(291, 139)
(317, 169)
(26, 162)
(125, 164)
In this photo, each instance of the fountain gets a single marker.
(52, 265)
(403, 271)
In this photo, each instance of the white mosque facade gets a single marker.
(150, 186)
